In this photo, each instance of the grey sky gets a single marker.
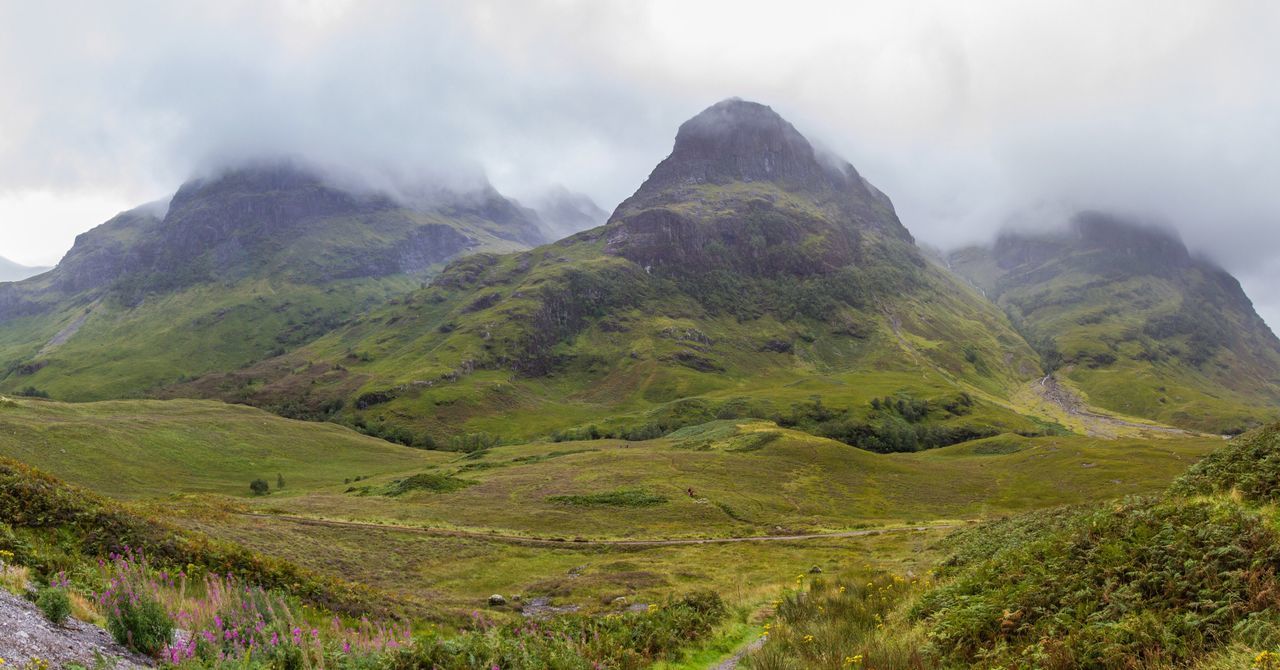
(968, 114)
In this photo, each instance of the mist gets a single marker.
(972, 117)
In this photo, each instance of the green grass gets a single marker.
(795, 482)
(1183, 580)
(149, 448)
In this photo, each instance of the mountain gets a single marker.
(749, 275)
(10, 271)
(1135, 321)
(564, 213)
(237, 266)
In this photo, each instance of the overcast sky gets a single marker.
(968, 114)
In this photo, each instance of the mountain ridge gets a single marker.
(721, 294)
(1137, 321)
(251, 261)
(11, 271)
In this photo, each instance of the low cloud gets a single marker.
(971, 116)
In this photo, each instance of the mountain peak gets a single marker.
(738, 140)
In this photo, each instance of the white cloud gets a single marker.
(966, 113)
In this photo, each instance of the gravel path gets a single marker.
(733, 662)
(25, 634)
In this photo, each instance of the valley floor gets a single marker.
(598, 526)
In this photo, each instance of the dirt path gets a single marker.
(559, 542)
(1096, 425)
(732, 662)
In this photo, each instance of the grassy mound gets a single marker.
(1135, 584)
(428, 481)
(1249, 465)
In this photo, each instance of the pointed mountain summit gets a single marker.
(1135, 320)
(743, 188)
(746, 275)
(238, 265)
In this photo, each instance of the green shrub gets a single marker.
(618, 498)
(1250, 464)
(54, 602)
(1121, 585)
(138, 622)
(259, 487)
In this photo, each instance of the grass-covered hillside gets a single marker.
(151, 449)
(1182, 580)
(726, 287)
(237, 268)
(552, 521)
(728, 479)
(1136, 322)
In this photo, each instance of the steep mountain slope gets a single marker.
(748, 276)
(1135, 321)
(239, 266)
(10, 271)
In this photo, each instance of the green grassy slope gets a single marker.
(241, 267)
(1138, 324)
(741, 293)
(747, 477)
(145, 448)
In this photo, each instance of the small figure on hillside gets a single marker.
(691, 493)
(279, 481)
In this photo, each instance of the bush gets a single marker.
(619, 498)
(33, 392)
(259, 487)
(136, 620)
(55, 603)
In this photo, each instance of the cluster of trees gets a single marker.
(260, 487)
(896, 423)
